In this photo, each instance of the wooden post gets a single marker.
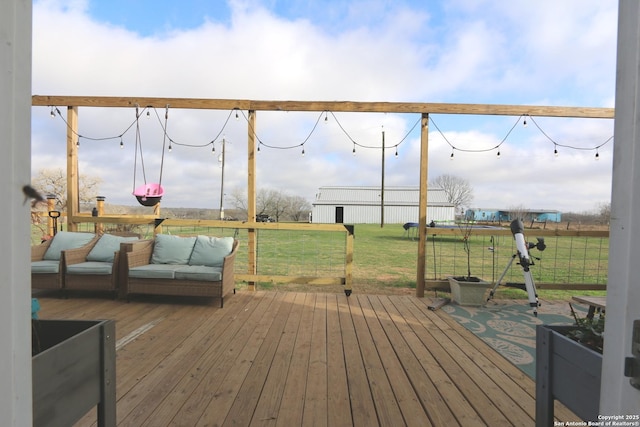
(100, 210)
(51, 206)
(422, 209)
(251, 197)
(73, 200)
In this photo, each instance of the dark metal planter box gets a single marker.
(567, 371)
(73, 371)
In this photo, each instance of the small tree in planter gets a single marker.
(467, 290)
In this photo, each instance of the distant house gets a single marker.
(362, 205)
(498, 215)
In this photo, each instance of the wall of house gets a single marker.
(15, 171)
(359, 214)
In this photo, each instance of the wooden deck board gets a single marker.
(288, 359)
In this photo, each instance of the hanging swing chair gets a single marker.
(148, 194)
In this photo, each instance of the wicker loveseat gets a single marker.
(95, 266)
(200, 266)
(47, 263)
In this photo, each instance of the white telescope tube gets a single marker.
(517, 228)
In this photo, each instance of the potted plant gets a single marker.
(568, 368)
(467, 290)
(73, 370)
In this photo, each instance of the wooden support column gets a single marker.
(73, 201)
(422, 207)
(251, 197)
(99, 227)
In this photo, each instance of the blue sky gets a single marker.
(455, 51)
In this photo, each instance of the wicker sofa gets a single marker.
(199, 266)
(95, 266)
(47, 262)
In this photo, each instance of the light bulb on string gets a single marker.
(53, 113)
(451, 156)
(78, 141)
(555, 150)
(170, 148)
(148, 113)
(121, 143)
(302, 151)
(396, 151)
(326, 118)
(597, 155)
(524, 123)
(354, 149)
(498, 155)
(237, 118)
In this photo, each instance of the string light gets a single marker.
(451, 156)
(354, 149)
(237, 118)
(498, 155)
(396, 151)
(121, 142)
(53, 112)
(78, 141)
(170, 148)
(326, 118)
(597, 155)
(303, 151)
(524, 123)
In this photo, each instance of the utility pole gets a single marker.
(221, 160)
(382, 186)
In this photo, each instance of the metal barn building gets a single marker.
(362, 205)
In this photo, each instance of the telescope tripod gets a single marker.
(530, 285)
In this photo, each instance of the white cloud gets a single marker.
(468, 52)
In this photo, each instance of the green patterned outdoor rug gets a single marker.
(510, 327)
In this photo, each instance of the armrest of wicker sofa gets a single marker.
(38, 251)
(228, 279)
(78, 255)
(137, 253)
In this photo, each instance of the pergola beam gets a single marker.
(336, 106)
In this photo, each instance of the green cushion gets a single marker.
(210, 251)
(64, 240)
(45, 267)
(107, 246)
(172, 249)
(154, 271)
(91, 267)
(200, 273)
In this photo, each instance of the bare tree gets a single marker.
(299, 208)
(604, 213)
(519, 212)
(54, 182)
(458, 190)
(274, 203)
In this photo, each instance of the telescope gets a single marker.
(525, 261)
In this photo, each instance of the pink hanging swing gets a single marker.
(148, 194)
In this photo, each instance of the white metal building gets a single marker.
(363, 205)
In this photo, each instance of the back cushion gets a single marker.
(64, 240)
(172, 249)
(108, 244)
(210, 251)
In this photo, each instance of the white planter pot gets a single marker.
(468, 292)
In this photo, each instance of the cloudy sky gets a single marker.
(452, 51)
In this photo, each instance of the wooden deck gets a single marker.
(293, 359)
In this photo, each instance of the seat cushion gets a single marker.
(154, 271)
(200, 273)
(169, 249)
(106, 247)
(210, 251)
(64, 240)
(91, 267)
(45, 267)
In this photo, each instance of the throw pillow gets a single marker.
(210, 251)
(172, 249)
